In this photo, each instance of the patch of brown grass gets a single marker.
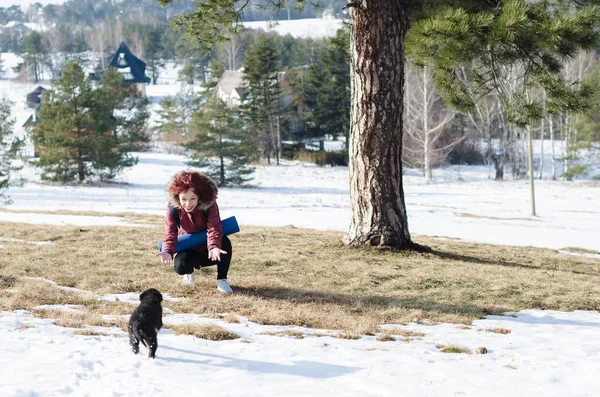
(386, 338)
(453, 349)
(290, 333)
(315, 281)
(204, 331)
(231, 318)
(403, 332)
(89, 332)
(345, 335)
(499, 330)
(578, 250)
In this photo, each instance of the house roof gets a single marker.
(131, 67)
(34, 98)
(30, 122)
(231, 80)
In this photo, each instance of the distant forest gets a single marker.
(90, 11)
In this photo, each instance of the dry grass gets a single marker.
(453, 349)
(345, 335)
(580, 250)
(204, 331)
(503, 331)
(403, 332)
(89, 332)
(290, 276)
(386, 338)
(290, 333)
(231, 319)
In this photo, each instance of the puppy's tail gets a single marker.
(138, 332)
(146, 335)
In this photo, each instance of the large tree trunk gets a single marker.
(378, 214)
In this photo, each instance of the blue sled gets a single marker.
(187, 241)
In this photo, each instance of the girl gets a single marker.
(192, 208)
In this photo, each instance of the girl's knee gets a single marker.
(181, 270)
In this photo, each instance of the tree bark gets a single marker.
(378, 212)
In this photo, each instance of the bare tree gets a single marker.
(230, 54)
(53, 40)
(137, 44)
(99, 41)
(489, 126)
(425, 119)
(116, 33)
(575, 71)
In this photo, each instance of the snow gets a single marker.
(547, 353)
(472, 208)
(26, 3)
(313, 28)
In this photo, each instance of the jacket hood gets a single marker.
(206, 190)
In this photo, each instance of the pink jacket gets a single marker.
(193, 222)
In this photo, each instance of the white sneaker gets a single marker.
(223, 286)
(188, 279)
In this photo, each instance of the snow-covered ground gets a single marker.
(313, 28)
(546, 353)
(304, 195)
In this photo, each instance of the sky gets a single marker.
(26, 3)
(546, 353)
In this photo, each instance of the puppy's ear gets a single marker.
(160, 297)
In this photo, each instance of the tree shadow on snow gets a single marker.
(308, 369)
(364, 302)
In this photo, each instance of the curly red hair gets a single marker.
(201, 185)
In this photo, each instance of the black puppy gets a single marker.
(145, 322)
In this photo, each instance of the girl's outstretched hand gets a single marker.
(215, 254)
(165, 257)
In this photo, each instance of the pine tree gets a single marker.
(325, 90)
(34, 54)
(312, 90)
(153, 51)
(121, 114)
(377, 32)
(174, 118)
(195, 61)
(221, 145)
(262, 108)
(531, 37)
(336, 61)
(65, 132)
(8, 149)
(80, 134)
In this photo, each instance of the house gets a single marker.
(34, 101)
(132, 68)
(231, 87)
(34, 98)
